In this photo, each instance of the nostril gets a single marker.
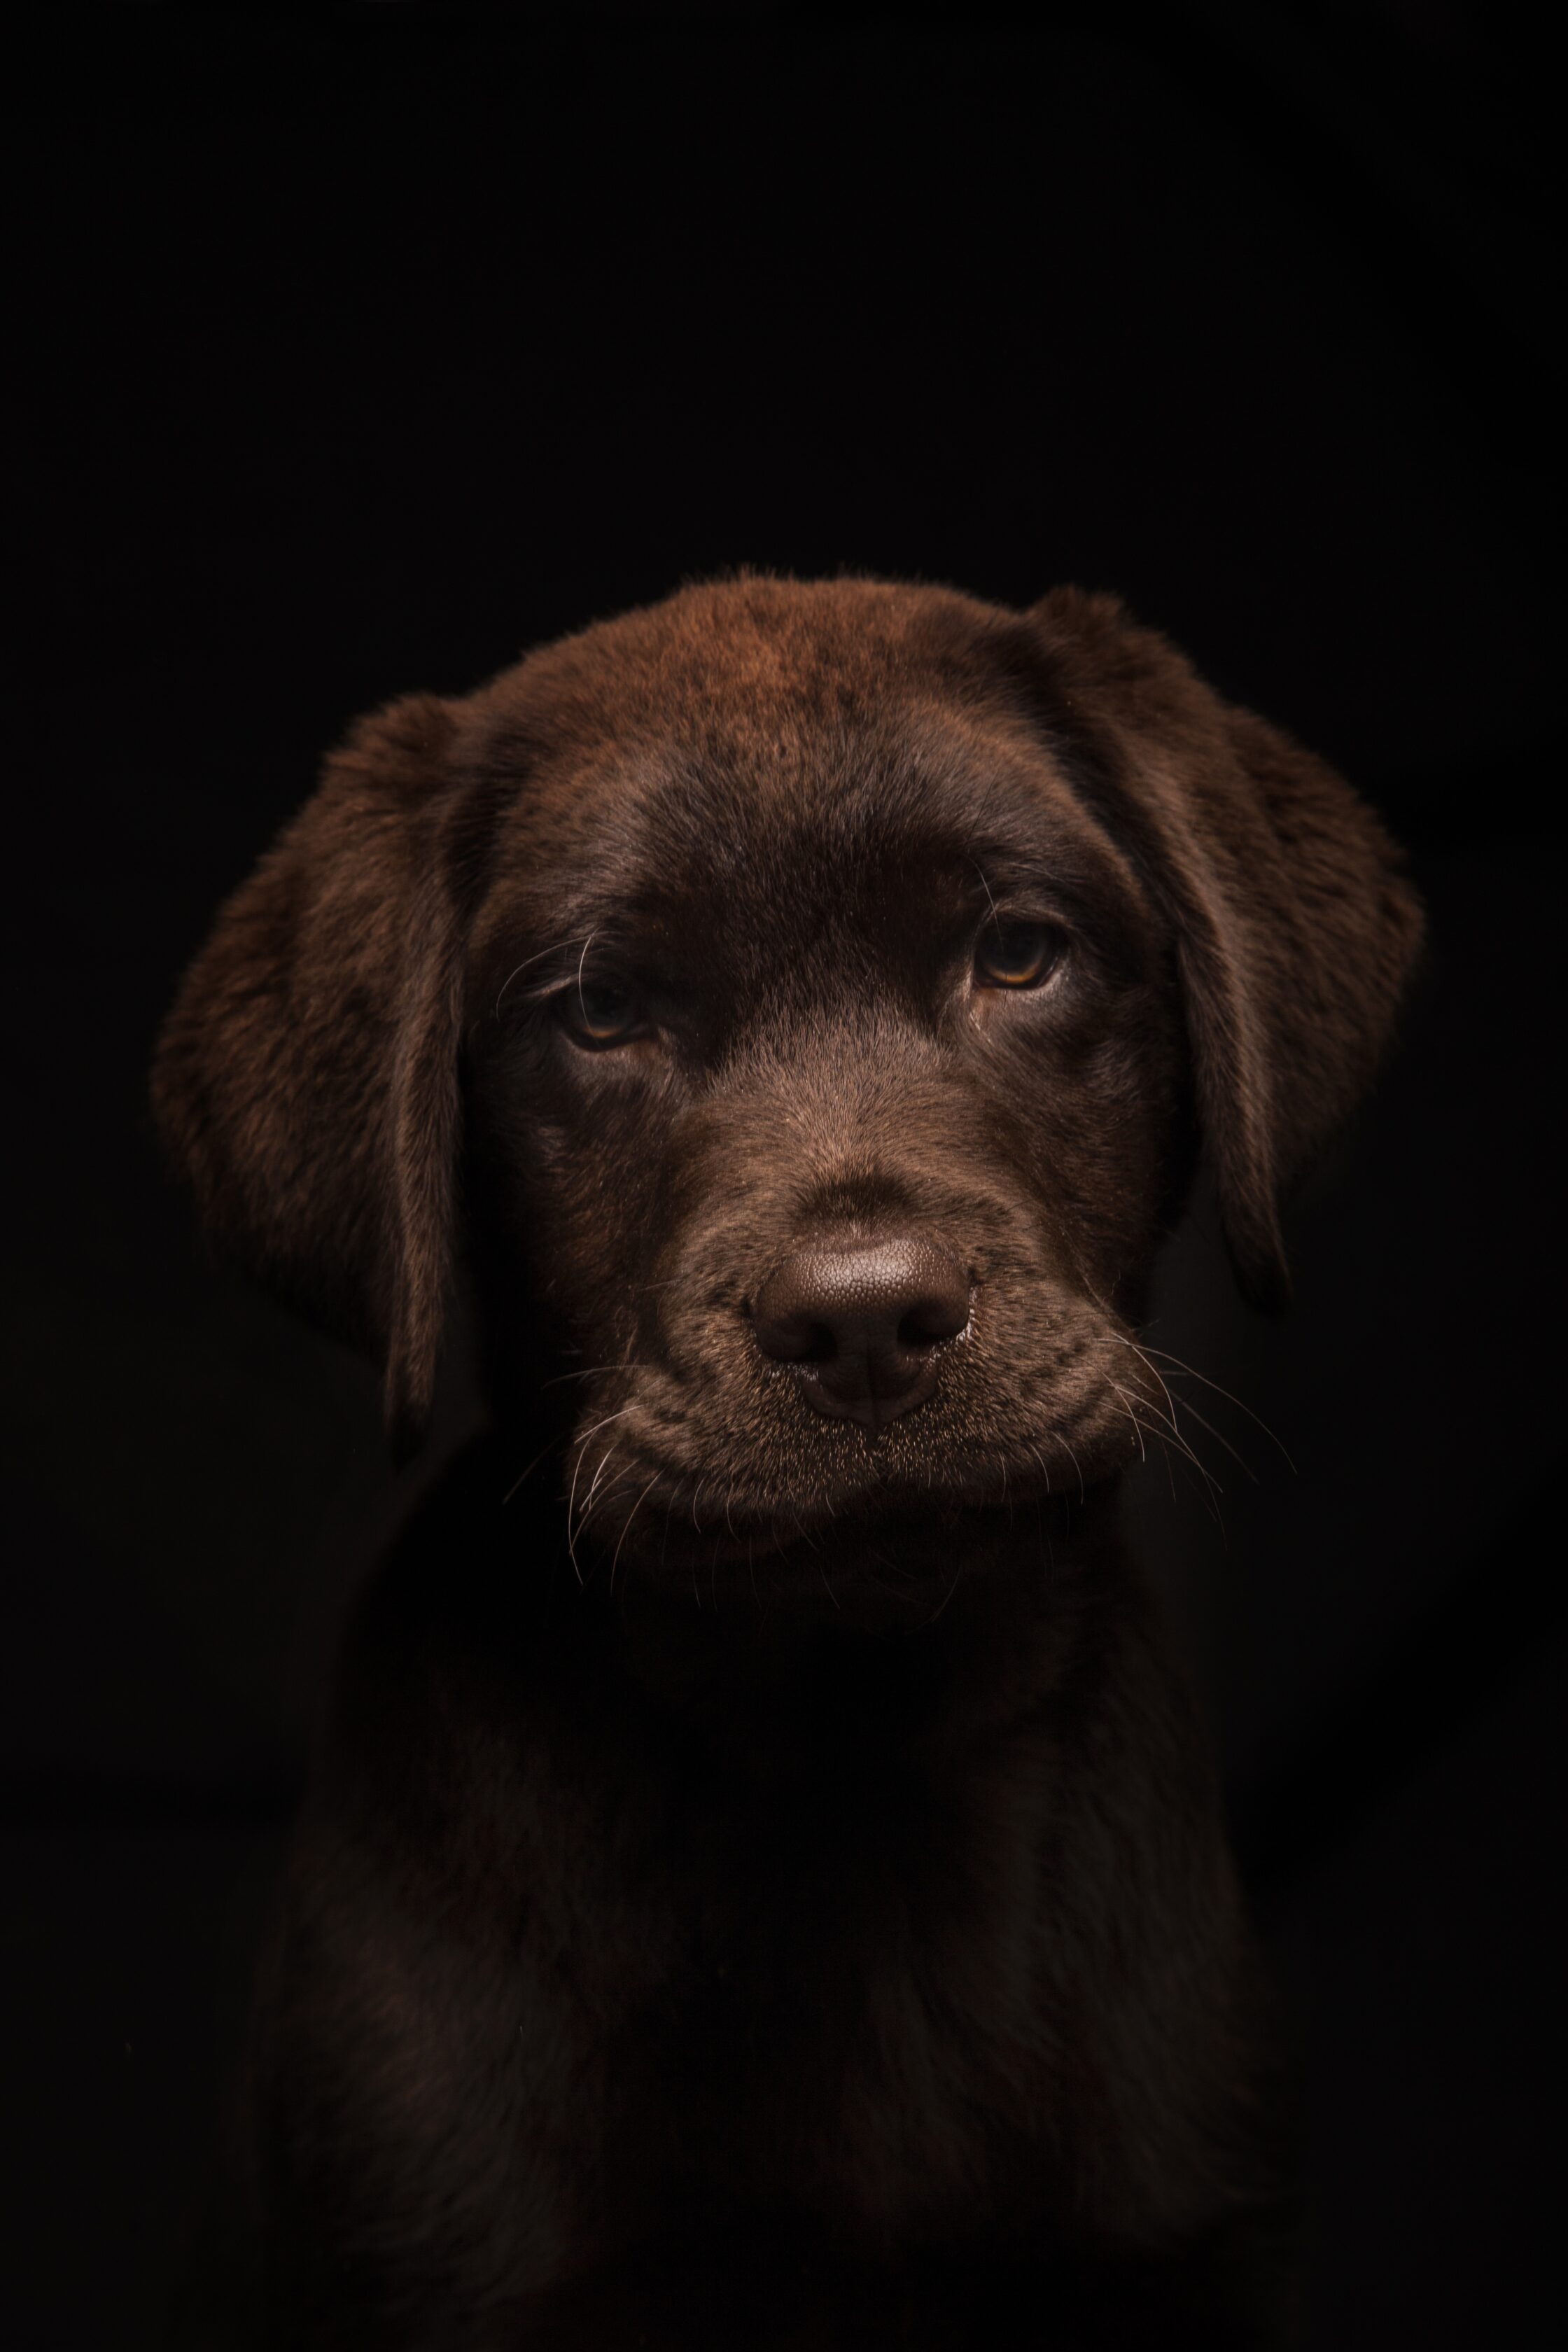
(931, 1320)
(796, 1340)
(789, 1322)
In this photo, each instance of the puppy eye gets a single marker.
(598, 1012)
(1017, 955)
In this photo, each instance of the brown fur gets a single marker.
(812, 1915)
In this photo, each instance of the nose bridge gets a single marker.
(830, 1197)
(854, 1114)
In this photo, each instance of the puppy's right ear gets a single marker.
(306, 1080)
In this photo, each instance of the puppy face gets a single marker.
(783, 983)
(797, 1004)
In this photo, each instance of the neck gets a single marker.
(868, 1637)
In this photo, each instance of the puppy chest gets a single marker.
(835, 2006)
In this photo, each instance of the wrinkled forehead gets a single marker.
(781, 820)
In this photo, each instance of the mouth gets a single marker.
(671, 1475)
(914, 1513)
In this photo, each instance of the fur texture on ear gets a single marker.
(1296, 930)
(307, 1078)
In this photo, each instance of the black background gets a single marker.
(355, 349)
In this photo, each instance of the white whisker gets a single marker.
(630, 1516)
(554, 949)
(525, 1476)
(582, 960)
(1137, 1424)
(1192, 1370)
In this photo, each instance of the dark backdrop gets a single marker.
(355, 349)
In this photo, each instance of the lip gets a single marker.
(876, 1494)
(680, 1515)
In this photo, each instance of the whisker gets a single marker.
(582, 961)
(1221, 1439)
(596, 1497)
(1035, 1455)
(576, 1472)
(604, 1424)
(1170, 1423)
(554, 949)
(1143, 1359)
(630, 1516)
(1192, 1372)
(604, 1460)
(525, 1476)
(958, 1572)
(1176, 1443)
(1137, 1424)
(1169, 1433)
(1206, 1491)
(571, 1499)
(1171, 1419)
(800, 1530)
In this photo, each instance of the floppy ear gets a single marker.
(1295, 926)
(306, 1080)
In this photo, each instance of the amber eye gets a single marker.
(599, 1012)
(1017, 955)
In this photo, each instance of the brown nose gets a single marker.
(860, 1327)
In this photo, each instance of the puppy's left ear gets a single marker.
(1295, 926)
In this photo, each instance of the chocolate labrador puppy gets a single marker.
(763, 1882)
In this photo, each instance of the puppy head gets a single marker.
(821, 986)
